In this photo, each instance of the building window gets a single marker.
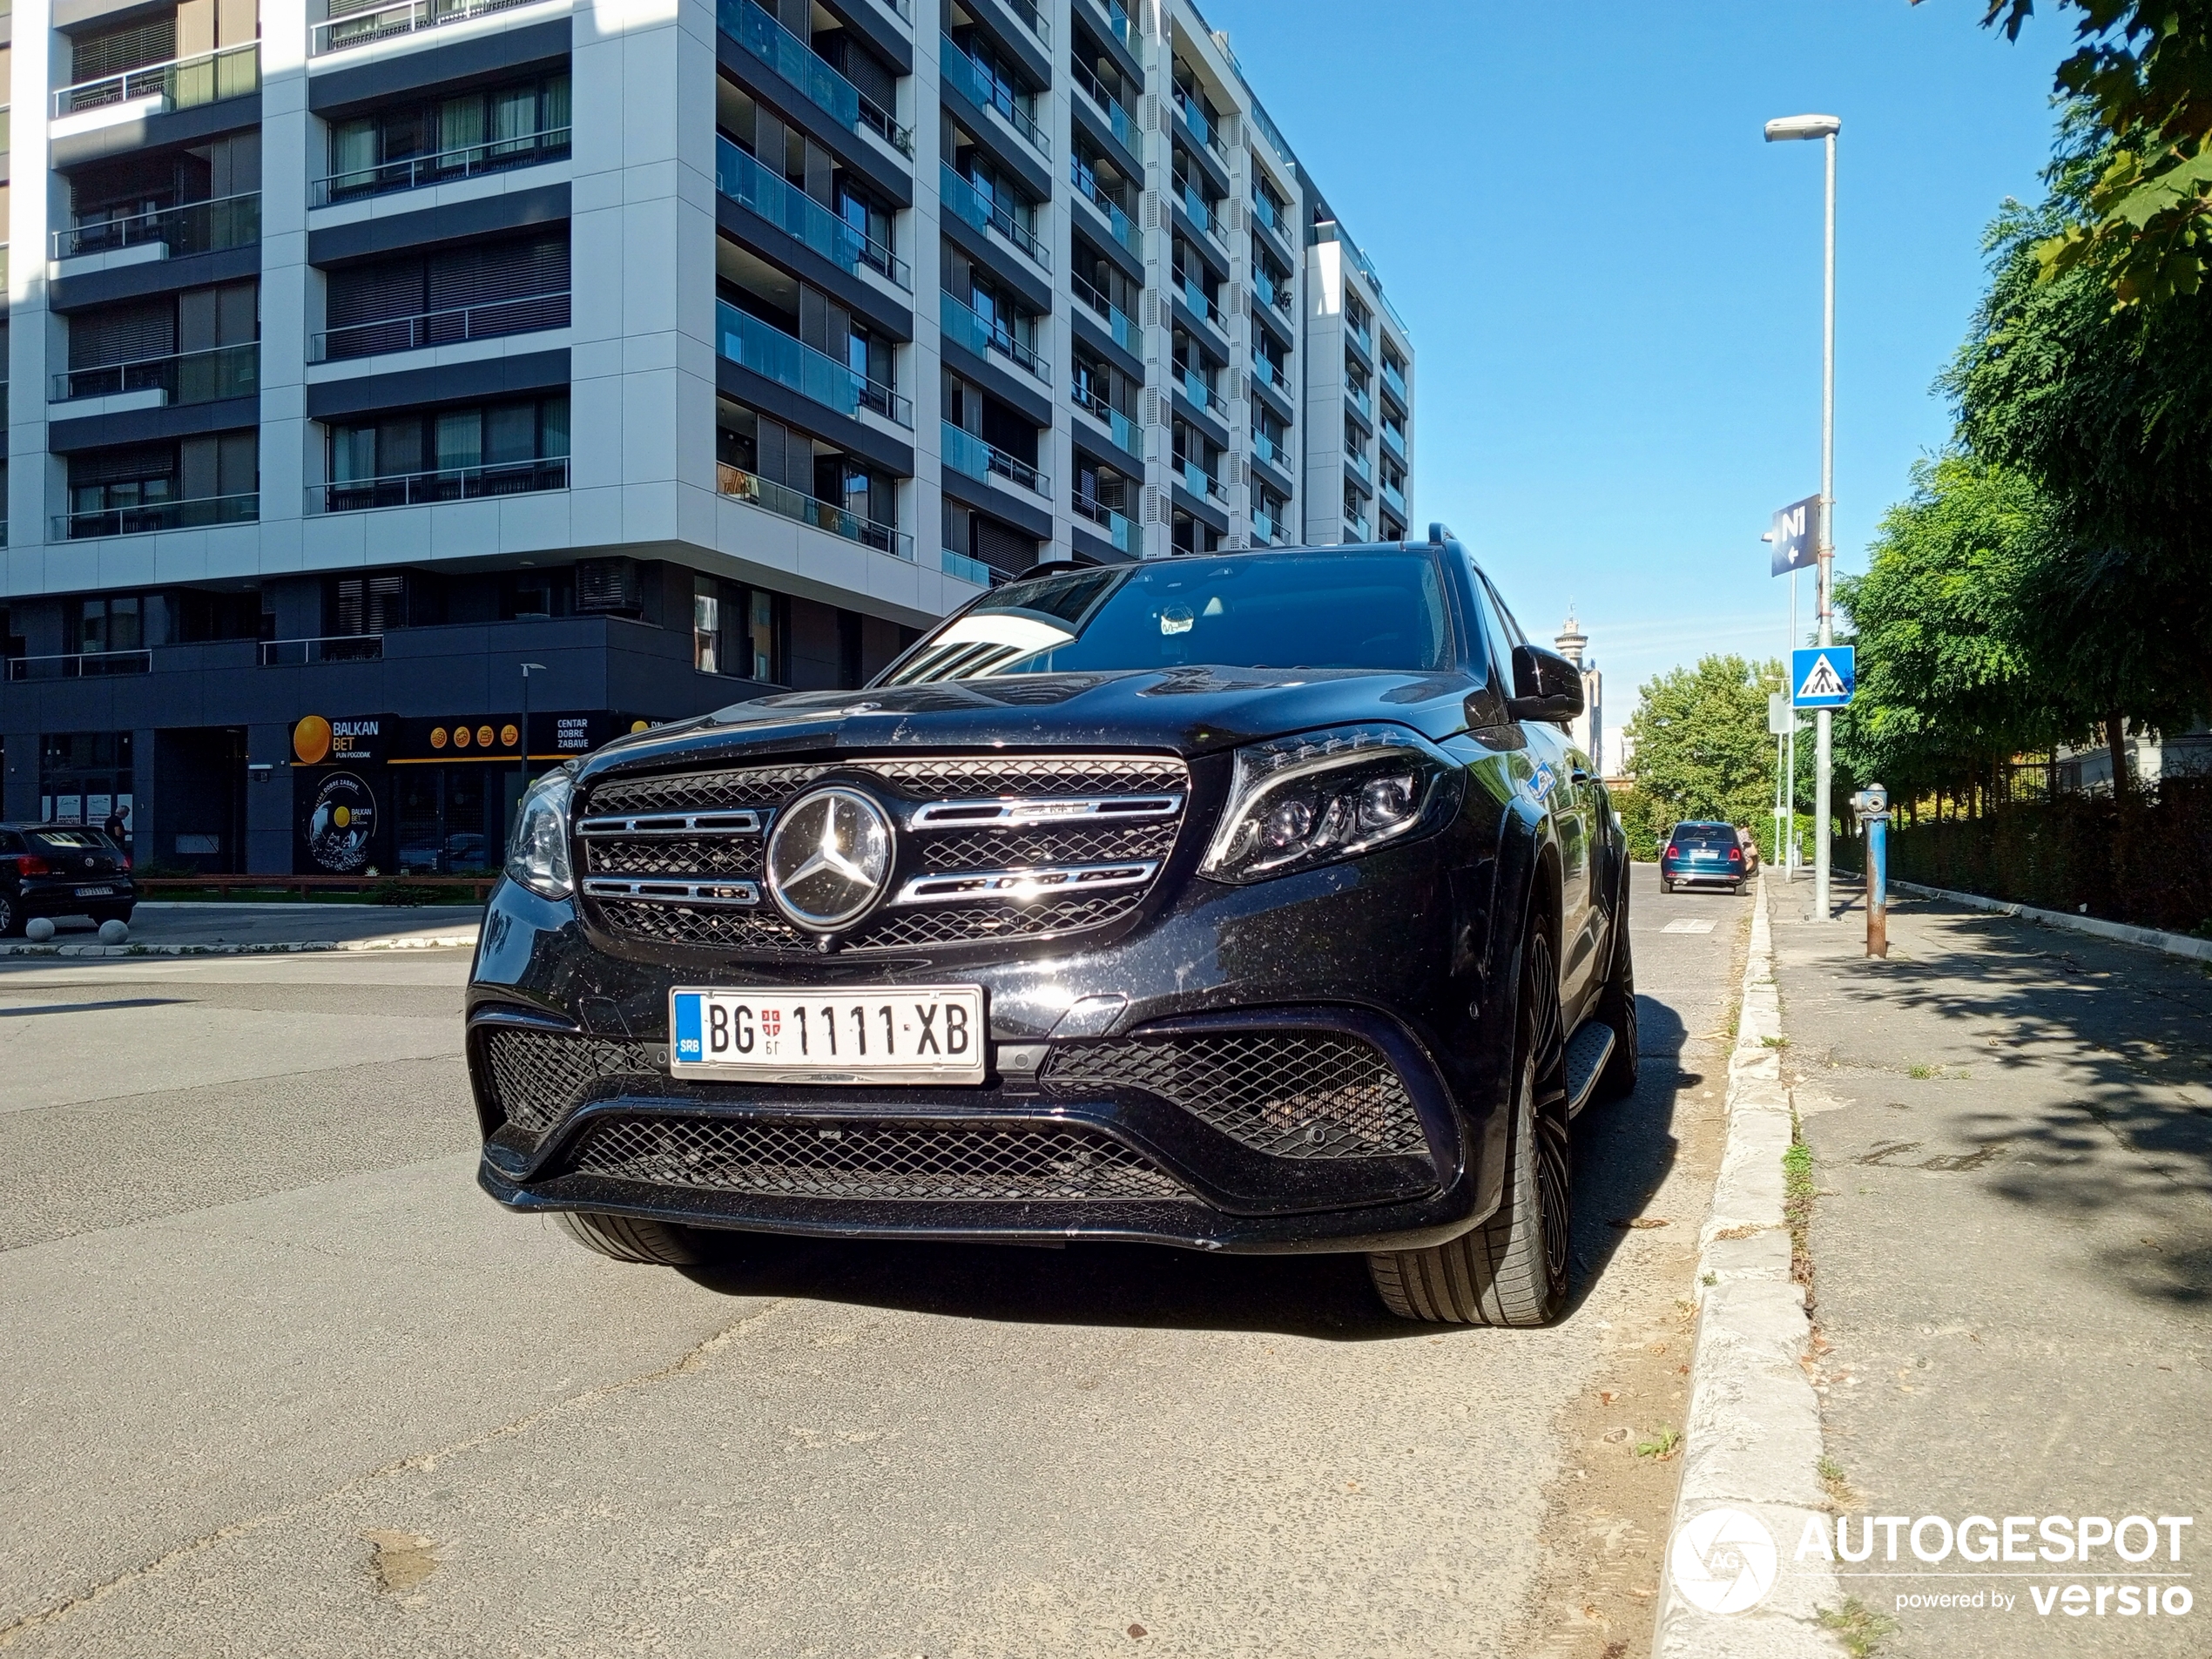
(187, 484)
(455, 137)
(509, 448)
(738, 630)
(477, 290)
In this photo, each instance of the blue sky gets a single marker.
(1614, 283)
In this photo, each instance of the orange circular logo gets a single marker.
(438, 740)
(311, 739)
(639, 726)
(508, 734)
(460, 737)
(483, 737)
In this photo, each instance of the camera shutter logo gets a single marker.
(1723, 1562)
(829, 858)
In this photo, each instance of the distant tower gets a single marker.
(1588, 729)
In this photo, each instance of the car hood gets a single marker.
(1189, 710)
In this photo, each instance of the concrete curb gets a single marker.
(439, 941)
(1752, 1439)
(2149, 938)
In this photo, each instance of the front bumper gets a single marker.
(1045, 1149)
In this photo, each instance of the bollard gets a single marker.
(1873, 805)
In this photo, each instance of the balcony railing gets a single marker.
(1198, 387)
(1200, 301)
(181, 83)
(1200, 483)
(1118, 120)
(448, 484)
(1118, 526)
(986, 90)
(743, 179)
(1357, 460)
(965, 452)
(966, 569)
(192, 227)
(1266, 448)
(1393, 440)
(1265, 213)
(1032, 19)
(1201, 214)
(7, 127)
(468, 161)
(187, 377)
(79, 665)
(750, 486)
(1393, 382)
(524, 316)
(1356, 396)
(791, 57)
(1124, 429)
(143, 518)
(326, 648)
(1118, 20)
(1117, 321)
(765, 349)
(1087, 187)
(1393, 498)
(980, 335)
(1269, 291)
(362, 28)
(1330, 231)
(1194, 117)
(1355, 524)
(961, 195)
(1263, 532)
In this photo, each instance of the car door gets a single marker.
(1569, 797)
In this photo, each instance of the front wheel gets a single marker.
(11, 916)
(1512, 1270)
(632, 1238)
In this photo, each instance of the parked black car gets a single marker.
(1253, 901)
(61, 870)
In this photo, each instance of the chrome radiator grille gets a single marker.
(990, 847)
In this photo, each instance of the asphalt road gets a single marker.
(278, 1378)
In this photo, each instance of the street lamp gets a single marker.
(527, 667)
(1824, 127)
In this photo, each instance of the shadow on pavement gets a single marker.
(1624, 1149)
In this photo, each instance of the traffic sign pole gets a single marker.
(1824, 590)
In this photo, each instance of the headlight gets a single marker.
(537, 853)
(1322, 796)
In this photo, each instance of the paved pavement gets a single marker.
(2012, 1129)
(279, 1381)
(174, 922)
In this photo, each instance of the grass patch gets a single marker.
(1798, 1194)
(1661, 1446)
(1832, 1482)
(1774, 1042)
(1859, 1626)
(1710, 1280)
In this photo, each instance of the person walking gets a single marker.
(119, 823)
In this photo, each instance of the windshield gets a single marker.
(1371, 608)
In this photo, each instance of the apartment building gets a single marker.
(406, 393)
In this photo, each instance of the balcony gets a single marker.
(1264, 533)
(1087, 187)
(1394, 383)
(448, 484)
(965, 452)
(145, 518)
(1116, 320)
(1123, 429)
(527, 315)
(194, 227)
(987, 91)
(1393, 440)
(1394, 499)
(743, 179)
(468, 161)
(1268, 372)
(985, 213)
(1265, 213)
(1116, 527)
(751, 488)
(180, 84)
(1032, 19)
(1118, 120)
(1194, 116)
(1201, 302)
(966, 569)
(1356, 396)
(391, 22)
(1202, 213)
(791, 57)
(1116, 16)
(1355, 523)
(1361, 468)
(326, 648)
(79, 665)
(766, 350)
(183, 377)
(1267, 449)
(980, 335)
(1199, 388)
(1200, 483)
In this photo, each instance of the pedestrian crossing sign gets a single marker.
(1823, 678)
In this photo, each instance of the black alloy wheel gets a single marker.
(10, 916)
(1555, 1146)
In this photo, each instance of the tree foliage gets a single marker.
(1702, 749)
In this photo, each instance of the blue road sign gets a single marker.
(1796, 536)
(1823, 677)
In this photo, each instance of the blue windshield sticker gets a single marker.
(1540, 785)
(687, 1028)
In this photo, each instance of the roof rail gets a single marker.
(1046, 567)
(1439, 533)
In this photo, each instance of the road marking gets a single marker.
(1688, 925)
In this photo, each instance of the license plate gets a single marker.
(1704, 855)
(915, 1033)
(96, 892)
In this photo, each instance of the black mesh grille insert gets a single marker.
(695, 855)
(1295, 1094)
(950, 1162)
(701, 791)
(714, 927)
(1057, 844)
(536, 1075)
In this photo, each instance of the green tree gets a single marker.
(1701, 742)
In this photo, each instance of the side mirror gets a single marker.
(1546, 686)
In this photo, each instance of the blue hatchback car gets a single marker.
(1700, 853)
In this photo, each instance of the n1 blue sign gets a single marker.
(1824, 677)
(1796, 536)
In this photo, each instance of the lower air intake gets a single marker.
(536, 1075)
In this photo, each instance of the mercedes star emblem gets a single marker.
(829, 858)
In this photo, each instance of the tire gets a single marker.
(1666, 885)
(11, 916)
(1617, 1009)
(632, 1238)
(1513, 1270)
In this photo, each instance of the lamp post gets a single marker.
(525, 745)
(1824, 127)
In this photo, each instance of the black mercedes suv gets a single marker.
(1249, 901)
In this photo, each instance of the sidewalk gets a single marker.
(173, 928)
(2012, 1252)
